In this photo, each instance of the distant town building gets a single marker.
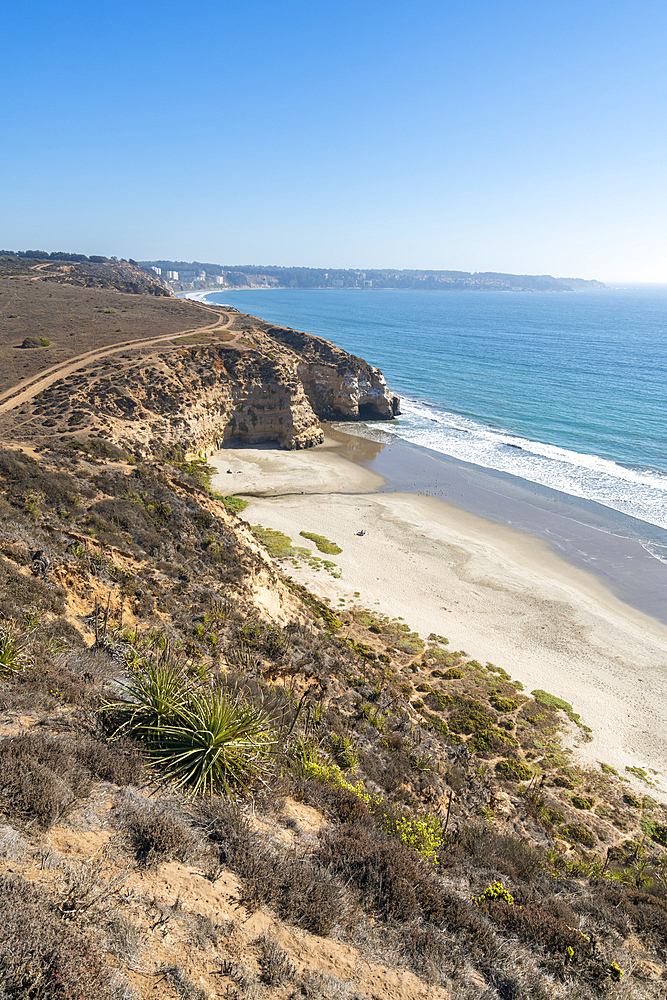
(158, 270)
(172, 275)
(201, 276)
(219, 280)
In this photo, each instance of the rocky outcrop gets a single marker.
(339, 385)
(341, 392)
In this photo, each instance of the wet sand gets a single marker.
(497, 592)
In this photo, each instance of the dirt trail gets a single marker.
(28, 389)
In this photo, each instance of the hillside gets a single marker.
(160, 373)
(388, 819)
(84, 272)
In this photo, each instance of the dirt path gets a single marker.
(24, 391)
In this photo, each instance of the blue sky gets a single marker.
(513, 136)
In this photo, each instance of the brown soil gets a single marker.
(78, 320)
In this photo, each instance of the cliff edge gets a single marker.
(232, 379)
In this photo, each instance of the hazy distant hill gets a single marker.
(78, 269)
(240, 275)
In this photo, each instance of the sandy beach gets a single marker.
(496, 592)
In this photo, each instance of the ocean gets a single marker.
(562, 397)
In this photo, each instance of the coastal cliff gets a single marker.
(236, 380)
(339, 385)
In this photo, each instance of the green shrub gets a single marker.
(579, 834)
(439, 725)
(513, 770)
(555, 816)
(279, 545)
(322, 544)
(157, 690)
(319, 608)
(563, 781)
(632, 800)
(343, 752)
(438, 700)
(491, 740)
(470, 717)
(35, 342)
(503, 704)
(660, 834)
(453, 674)
(217, 744)
(582, 802)
(235, 504)
(13, 652)
(553, 702)
(205, 740)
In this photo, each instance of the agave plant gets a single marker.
(217, 744)
(157, 691)
(13, 655)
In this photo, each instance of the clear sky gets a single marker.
(510, 135)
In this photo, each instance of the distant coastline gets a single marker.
(185, 276)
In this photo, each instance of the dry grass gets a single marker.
(43, 957)
(76, 320)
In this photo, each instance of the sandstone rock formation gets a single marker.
(339, 385)
(246, 383)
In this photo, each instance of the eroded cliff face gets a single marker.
(201, 398)
(339, 392)
(247, 383)
(339, 385)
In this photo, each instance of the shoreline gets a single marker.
(496, 591)
(613, 546)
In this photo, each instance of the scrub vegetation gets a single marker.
(214, 783)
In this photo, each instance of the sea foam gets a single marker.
(640, 493)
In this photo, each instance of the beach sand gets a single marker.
(496, 592)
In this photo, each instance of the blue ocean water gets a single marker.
(567, 390)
